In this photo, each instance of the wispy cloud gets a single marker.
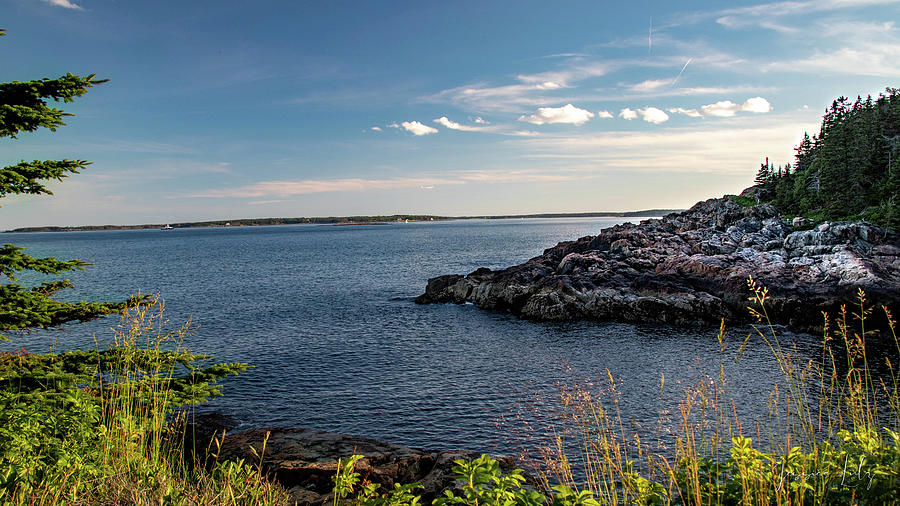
(764, 15)
(287, 188)
(480, 126)
(65, 4)
(743, 22)
(265, 202)
(879, 60)
(105, 145)
(482, 97)
(650, 85)
(573, 70)
(276, 191)
(530, 90)
(565, 114)
(668, 91)
(692, 113)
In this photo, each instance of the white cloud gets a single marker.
(565, 114)
(650, 85)
(376, 128)
(481, 121)
(604, 114)
(727, 108)
(65, 4)
(416, 128)
(443, 120)
(756, 104)
(692, 113)
(452, 125)
(654, 115)
(394, 125)
(628, 114)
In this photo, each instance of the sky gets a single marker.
(233, 109)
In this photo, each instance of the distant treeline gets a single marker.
(849, 170)
(342, 220)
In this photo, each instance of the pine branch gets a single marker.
(23, 308)
(23, 105)
(24, 176)
(12, 260)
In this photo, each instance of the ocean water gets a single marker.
(326, 315)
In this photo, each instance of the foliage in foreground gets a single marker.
(104, 426)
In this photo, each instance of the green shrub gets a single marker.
(104, 426)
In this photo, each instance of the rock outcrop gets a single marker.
(304, 461)
(692, 266)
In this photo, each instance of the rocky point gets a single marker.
(693, 266)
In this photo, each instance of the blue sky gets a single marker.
(227, 109)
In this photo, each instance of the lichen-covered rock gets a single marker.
(692, 266)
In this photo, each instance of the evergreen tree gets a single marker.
(24, 108)
(847, 170)
(764, 174)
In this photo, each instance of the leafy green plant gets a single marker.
(484, 483)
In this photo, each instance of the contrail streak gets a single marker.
(682, 70)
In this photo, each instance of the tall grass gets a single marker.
(831, 435)
(108, 426)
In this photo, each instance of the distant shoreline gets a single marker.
(341, 220)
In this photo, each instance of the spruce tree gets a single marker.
(24, 108)
(849, 170)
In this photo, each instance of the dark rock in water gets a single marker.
(304, 461)
(692, 267)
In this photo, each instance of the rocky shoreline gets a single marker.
(691, 267)
(304, 461)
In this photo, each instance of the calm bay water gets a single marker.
(325, 314)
